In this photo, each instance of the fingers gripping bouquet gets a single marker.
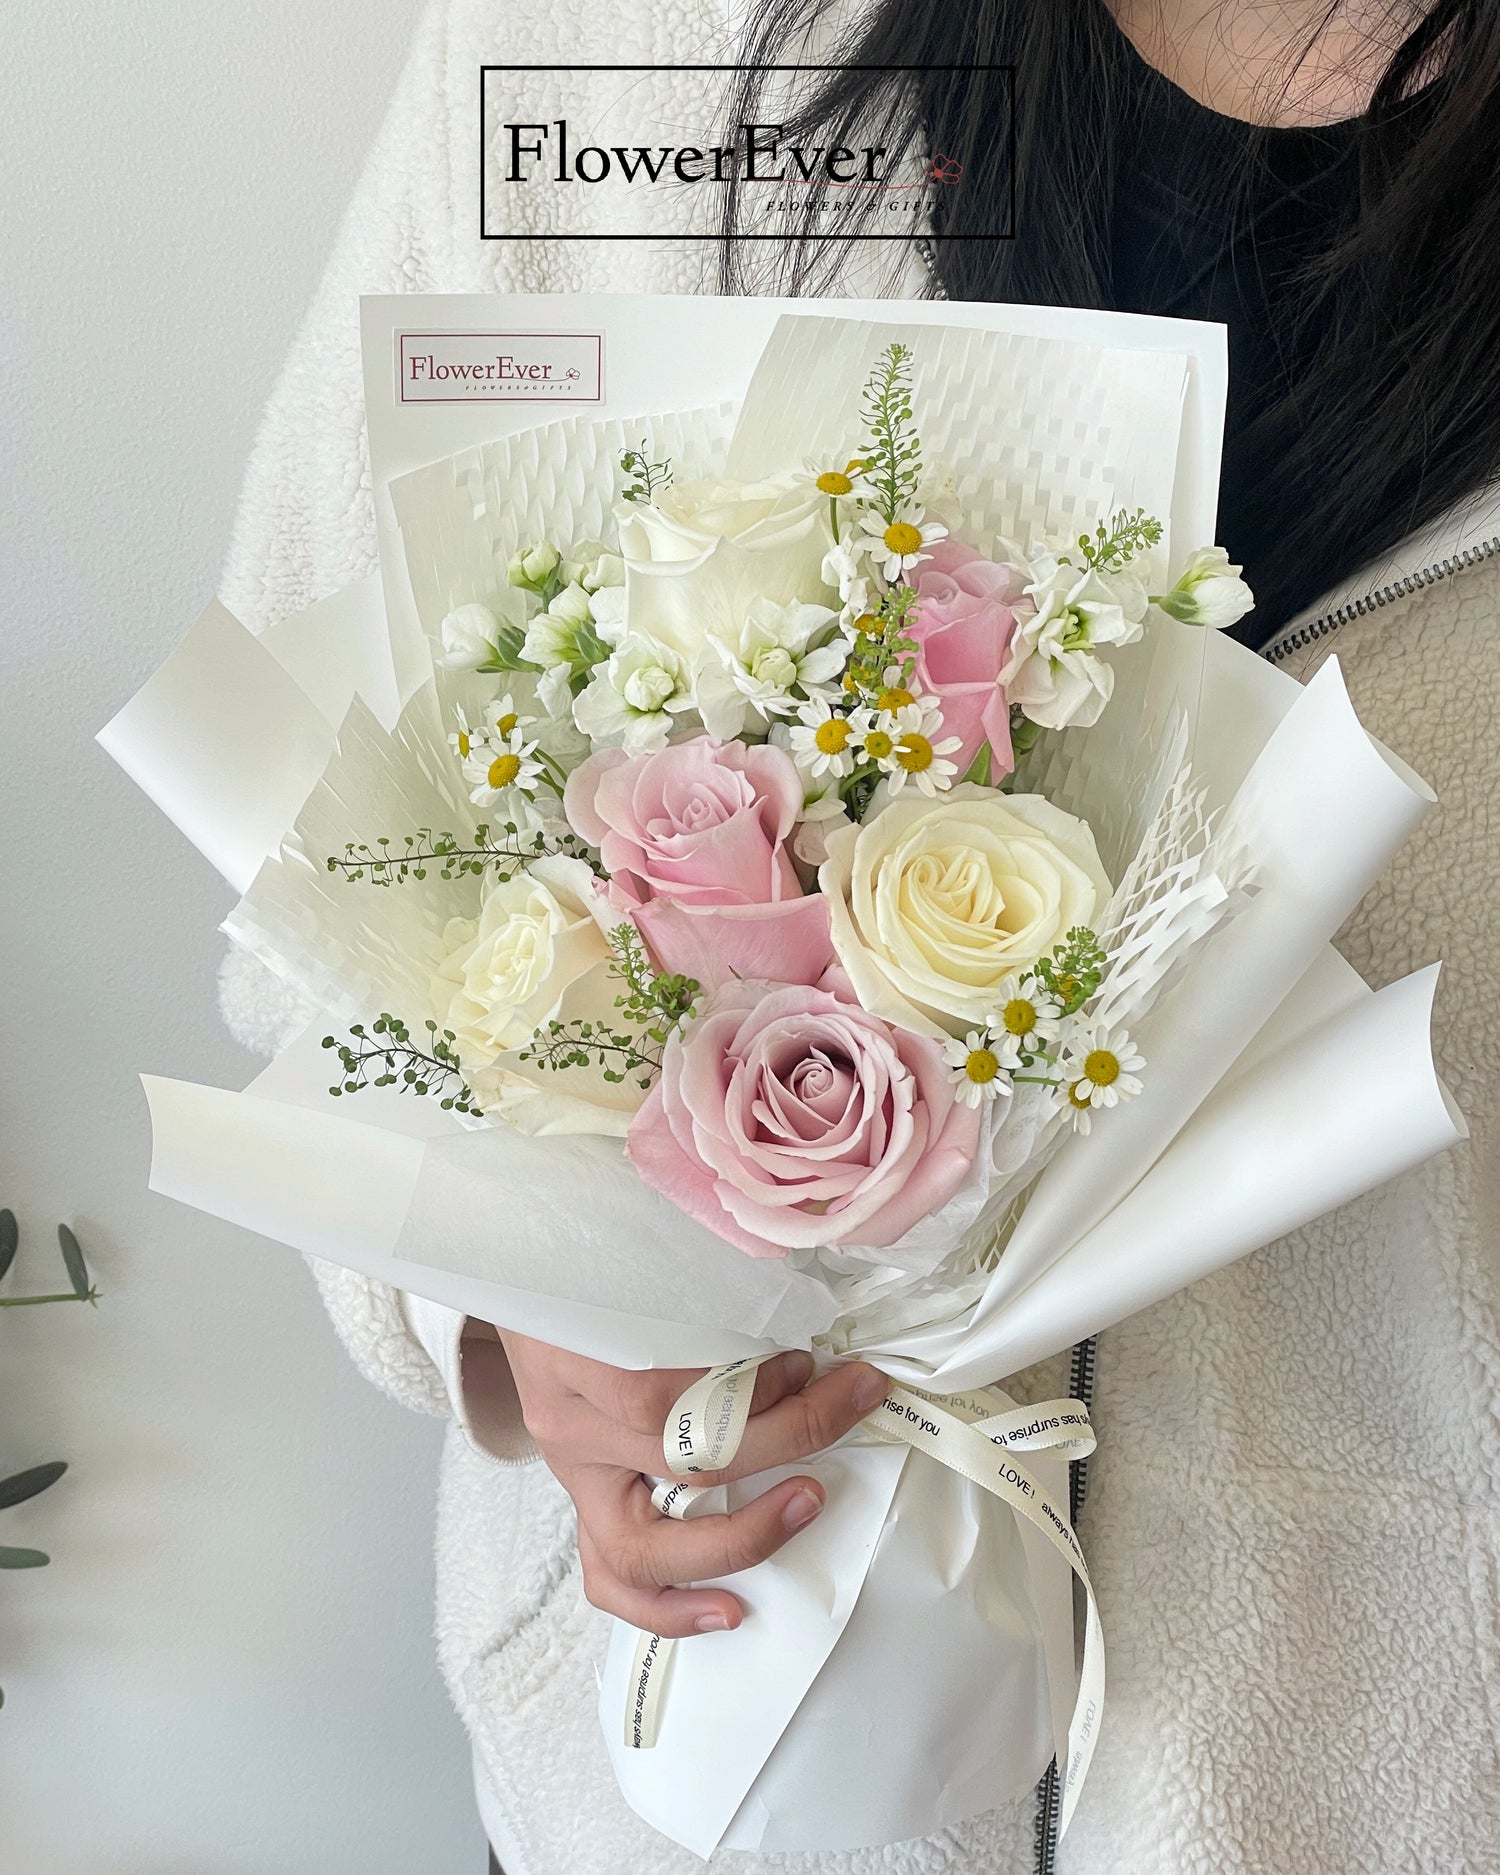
(831, 891)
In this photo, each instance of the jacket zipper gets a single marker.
(1282, 648)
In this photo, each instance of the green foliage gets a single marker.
(892, 454)
(646, 477)
(1112, 548)
(507, 647)
(23, 1558)
(653, 1002)
(82, 1289)
(506, 848)
(1075, 969)
(10, 1238)
(384, 1055)
(27, 1484)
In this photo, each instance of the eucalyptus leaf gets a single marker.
(72, 1256)
(22, 1558)
(10, 1236)
(30, 1483)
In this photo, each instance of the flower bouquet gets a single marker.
(830, 885)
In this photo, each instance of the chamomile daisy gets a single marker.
(499, 766)
(980, 1073)
(911, 754)
(1099, 1069)
(1027, 1020)
(503, 719)
(824, 744)
(899, 545)
(462, 740)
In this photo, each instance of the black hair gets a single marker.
(1397, 417)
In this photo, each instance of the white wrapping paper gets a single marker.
(907, 1660)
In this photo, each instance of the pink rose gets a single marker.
(695, 840)
(785, 1118)
(962, 623)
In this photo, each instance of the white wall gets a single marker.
(227, 1670)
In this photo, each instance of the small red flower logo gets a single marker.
(944, 169)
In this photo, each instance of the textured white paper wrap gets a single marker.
(907, 1660)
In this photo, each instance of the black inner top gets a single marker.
(1218, 219)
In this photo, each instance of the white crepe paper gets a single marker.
(907, 1660)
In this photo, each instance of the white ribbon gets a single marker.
(961, 1431)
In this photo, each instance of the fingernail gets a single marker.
(871, 1391)
(801, 1508)
(711, 1624)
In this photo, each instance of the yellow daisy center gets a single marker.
(894, 699)
(503, 770)
(834, 482)
(869, 624)
(463, 744)
(901, 537)
(1101, 1067)
(1018, 1016)
(982, 1065)
(505, 725)
(851, 684)
(878, 745)
(832, 737)
(1078, 1095)
(914, 753)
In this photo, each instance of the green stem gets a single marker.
(26, 1302)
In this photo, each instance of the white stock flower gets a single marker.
(845, 570)
(532, 567)
(1053, 671)
(592, 566)
(935, 904)
(632, 698)
(1099, 1069)
(978, 1069)
(504, 974)
(756, 673)
(1208, 591)
(552, 636)
(900, 545)
(470, 636)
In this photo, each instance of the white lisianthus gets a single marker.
(1053, 671)
(632, 698)
(896, 547)
(504, 974)
(471, 635)
(753, 675)
(701, 554)
(1208, 591)
(935, 904)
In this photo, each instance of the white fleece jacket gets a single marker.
(1292, 1518)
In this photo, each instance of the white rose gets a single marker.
(698, 556)
(505, 975)
(539, 1100)
(1208, 591)
(933, 903)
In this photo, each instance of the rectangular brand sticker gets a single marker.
(500, 367)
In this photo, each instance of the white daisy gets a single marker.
(500, 768)
(1026, 1022)
(467, 736)
(1099, 1070)
(901, 544)
(905, 735)
(503, 718)
(823, 743)
(978, 1069)
(838, 484)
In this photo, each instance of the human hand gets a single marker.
(599, 1429)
